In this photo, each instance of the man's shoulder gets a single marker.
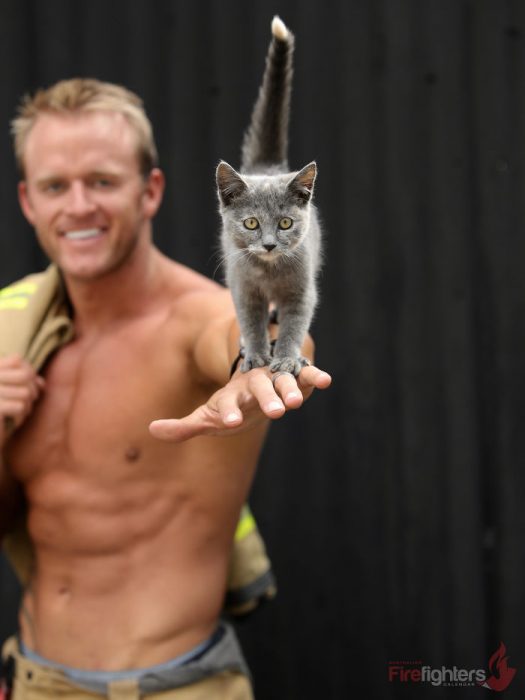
(200, 319)
(197, 296)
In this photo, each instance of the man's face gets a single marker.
(83, 191)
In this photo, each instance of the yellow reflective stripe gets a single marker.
(245, 525)
(14, 303)
(20, 289)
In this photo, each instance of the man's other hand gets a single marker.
(20, 387)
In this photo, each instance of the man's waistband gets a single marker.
(80, 675)
(218, 654)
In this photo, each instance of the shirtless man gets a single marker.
(132, 518)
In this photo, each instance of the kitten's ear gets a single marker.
(229, 183)
(302, 185)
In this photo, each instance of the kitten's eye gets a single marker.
(251, 223)
(285, 223)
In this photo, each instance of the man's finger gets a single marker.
(286, 386)
(174, 429)
(21, 393)
(12, 361)
(229, 411)
(13, 407)
(200, 422)
(263, 390)
(313, 377)
(21, 375)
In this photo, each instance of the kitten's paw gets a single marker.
(252, 361)
(289, 364)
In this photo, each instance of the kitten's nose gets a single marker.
(269, 246)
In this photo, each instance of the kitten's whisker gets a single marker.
(221, 262)
(294, 260)
(222, 259)
(225, 258)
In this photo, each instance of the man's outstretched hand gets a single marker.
(247, 399)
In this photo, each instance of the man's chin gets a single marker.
(90, 268)
(85, 272)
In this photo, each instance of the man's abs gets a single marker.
(138, 599)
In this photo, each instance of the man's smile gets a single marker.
(83, 234)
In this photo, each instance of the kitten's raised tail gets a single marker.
(266, 139)
(279, 29)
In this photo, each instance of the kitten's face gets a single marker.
(266, 215)
(265, 222)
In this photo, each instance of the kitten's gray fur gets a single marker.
(270, 264)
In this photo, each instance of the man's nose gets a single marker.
(79, 202)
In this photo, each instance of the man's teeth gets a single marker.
(84, 233)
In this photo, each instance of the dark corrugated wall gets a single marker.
(392, 505)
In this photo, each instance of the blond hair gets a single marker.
(85, 95)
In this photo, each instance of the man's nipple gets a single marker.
(132, 454)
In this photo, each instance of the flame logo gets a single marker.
(502, 674)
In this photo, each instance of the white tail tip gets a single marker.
(279, 29)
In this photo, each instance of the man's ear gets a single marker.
(25, 202)
(153, 192)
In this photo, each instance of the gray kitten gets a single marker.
(270, 234)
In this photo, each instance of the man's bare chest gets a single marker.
(99, 399)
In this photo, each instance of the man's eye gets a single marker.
(285, 223)
(251, 223)
(53, 187)
(102, 182)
